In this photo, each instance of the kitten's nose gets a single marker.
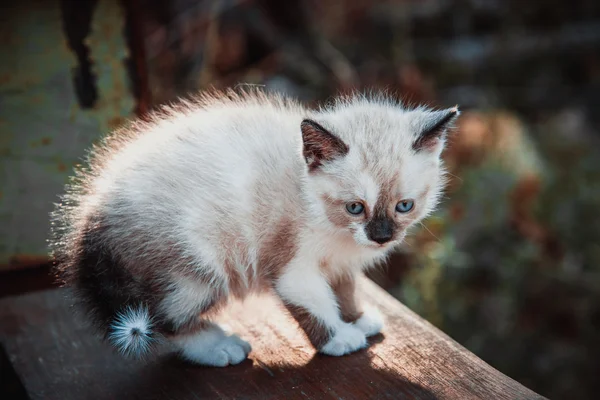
(380, 230)
(381, 239)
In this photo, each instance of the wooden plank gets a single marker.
(26, 280)
(57, 358)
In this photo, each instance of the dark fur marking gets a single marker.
(381, 229)
(430, 137)
(105, 285)
(191, 327)
(336, 212)
(277, 250)
(320, 145)
(317, 333)
(344, 288)
(102, 281)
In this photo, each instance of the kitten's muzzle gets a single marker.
(380, 230)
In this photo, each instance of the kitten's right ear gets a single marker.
(320, 145)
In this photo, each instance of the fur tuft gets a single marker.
(131, 331)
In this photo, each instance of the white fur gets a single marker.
(130, 331)
(360, 236)
(370, 190)
(371, 322)
(213, 347)
(185, 298)
(303, 285)
(216, 178)
(346, 339)
(220, 155)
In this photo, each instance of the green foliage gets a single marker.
(529, 304)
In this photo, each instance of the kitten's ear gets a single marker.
(433, 131)
(320, 145)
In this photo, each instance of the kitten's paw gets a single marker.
(371, 322)
(346, 340)
(233, 350)
(224, 351)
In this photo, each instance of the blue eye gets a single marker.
(405, 206)
(355, 208)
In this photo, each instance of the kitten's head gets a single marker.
(374, 168)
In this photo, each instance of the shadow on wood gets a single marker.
(322, 377)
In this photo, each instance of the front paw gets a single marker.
(346, 339)
(370, 323)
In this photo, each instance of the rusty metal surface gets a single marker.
(44, 129)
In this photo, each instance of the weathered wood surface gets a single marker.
(57, 358)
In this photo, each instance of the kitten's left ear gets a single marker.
(320, 145)
(433, 131)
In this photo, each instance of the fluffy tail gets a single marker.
(131, 331)
(120, 304)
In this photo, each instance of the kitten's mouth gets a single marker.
(395, 241)
(380, 246)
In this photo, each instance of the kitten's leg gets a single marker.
(198, 340)
(366, 318)
(310, 299)
(207, 344)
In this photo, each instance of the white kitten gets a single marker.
(234, 193)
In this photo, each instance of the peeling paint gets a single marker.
(43, 129)
(108, 50)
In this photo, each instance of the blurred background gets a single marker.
(509, 266)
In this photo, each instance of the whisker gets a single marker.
(407, 244)
(455, 176)
(431, 233)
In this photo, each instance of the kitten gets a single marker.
(235, 193)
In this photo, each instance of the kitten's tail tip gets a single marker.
(131, 331)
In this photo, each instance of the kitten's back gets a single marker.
(200, 170)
